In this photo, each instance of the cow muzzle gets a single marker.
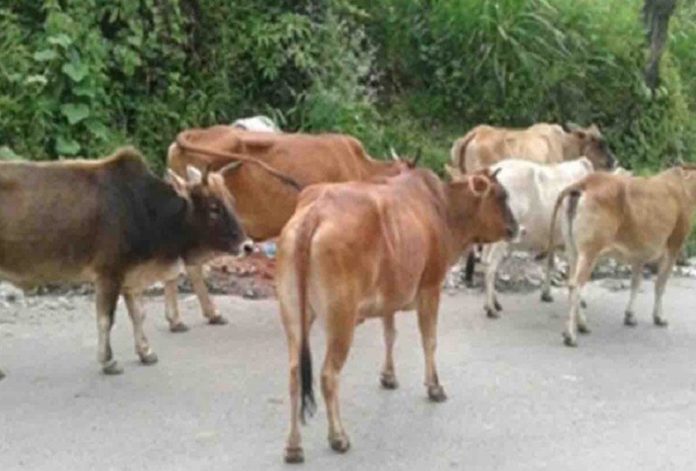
(515, 235)
(513, 232)
(246, 248)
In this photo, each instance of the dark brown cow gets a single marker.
(113, 223)
(358, 250)
(264, 204)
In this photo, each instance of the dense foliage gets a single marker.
(80, 77)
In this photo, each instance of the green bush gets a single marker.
(82, 77)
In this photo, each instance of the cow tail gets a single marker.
(459, 148)
(302, 254)
(574, 191)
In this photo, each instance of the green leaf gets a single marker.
(45, 55)
(75, 112)
(40, 79)
(97, 129)
(60, 39)
(75, 70)
(67, 146)
(84, 90)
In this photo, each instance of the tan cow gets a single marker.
(363, 250)
(636, 220)
(113, 223)
(265, 204)
(542, 143)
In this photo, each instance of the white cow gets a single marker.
(533, 189)
(257, 123)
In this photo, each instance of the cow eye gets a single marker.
(215, 210)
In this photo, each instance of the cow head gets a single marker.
(479, 204)
(590, 143)
(211, 216)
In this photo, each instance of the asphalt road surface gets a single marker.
(217, 399)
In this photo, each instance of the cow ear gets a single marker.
(178, 183)
(193, 175)
(479, 185)
(453, 172)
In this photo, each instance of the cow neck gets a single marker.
(458, 234)
(178, 238)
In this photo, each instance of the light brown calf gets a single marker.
(264, 203)
(361, 250)
(636, 220)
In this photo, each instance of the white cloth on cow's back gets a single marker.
(257, 123)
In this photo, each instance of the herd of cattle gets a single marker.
(358, 237)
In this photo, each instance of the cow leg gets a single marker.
(663, 272)
(496, 253)
(107, 291)
(388, 377)
(137, 316)
(195, 273)
(428, 304)
(470, 267)
(636, 278)
(546, 286)
(171, 307)
(340, 327)
(293, 448)
(576, 319)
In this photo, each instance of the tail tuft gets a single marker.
(309, 405)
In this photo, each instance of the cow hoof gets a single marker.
(149, 358)
(630, 320)
(583, 329)
(294, 455)
(437, 393)
(583, 304)
(2, 375)
(112, 368)
(491, 313)
(546, 297)
(388, 381)
(497, 305)
(660, 322)
(569, 341)
(339, 443)
(217, 320)
(178, 328)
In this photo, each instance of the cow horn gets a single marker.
(193, 175)
(230, 166)
(393, 153)
(570, 126)
(495, 173)
(419, 154)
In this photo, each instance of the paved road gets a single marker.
(518, 399)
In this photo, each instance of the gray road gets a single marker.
(518, 399)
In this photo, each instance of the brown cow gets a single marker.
(113, 223)
(358, 250)
(637, 220)
(543, 143)
(264, 205)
